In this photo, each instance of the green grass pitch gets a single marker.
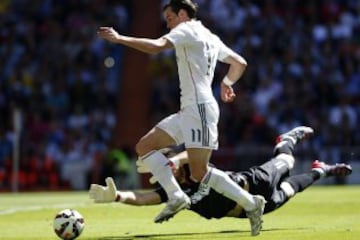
(320, 212)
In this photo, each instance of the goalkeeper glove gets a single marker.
(103, 194)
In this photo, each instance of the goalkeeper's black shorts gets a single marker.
(265, 180)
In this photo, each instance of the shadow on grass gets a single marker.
(205, 235)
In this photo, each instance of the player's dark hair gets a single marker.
(187, 5)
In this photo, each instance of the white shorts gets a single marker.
(194, 125)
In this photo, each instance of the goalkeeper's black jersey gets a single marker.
(261, 180)
(214, 205)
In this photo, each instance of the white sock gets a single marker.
(159, 167)
(223, 184)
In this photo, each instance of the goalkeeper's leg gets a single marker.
(298, 183)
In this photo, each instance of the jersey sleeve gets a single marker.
(178, 36)
(224, 51)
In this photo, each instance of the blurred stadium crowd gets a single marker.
(303, 69)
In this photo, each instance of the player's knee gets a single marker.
(138, 149)
(288, 189)
(287, 158)
(141, 148)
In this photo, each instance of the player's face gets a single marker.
(171, 18)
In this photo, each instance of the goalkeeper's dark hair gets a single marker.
(186, 168)
(176, 5)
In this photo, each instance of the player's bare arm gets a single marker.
(146, 45)
(139, 198)
(236, 70)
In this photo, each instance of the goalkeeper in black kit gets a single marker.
(271, 180)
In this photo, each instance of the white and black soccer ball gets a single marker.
(68, 224)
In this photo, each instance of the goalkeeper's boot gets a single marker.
(172, 207)
(255, 216)
(337, 170)
(296, 134)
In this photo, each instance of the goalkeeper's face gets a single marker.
(180, 174)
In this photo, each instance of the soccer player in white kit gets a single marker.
(197, 52)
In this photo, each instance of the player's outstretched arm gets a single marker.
(146, 45)
(109, 193)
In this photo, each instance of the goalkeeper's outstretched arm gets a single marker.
(109, 193)
(139, 198)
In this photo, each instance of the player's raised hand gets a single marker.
(108, 33)
(103, 194)
(227, 93)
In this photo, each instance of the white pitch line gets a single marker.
(37, 208)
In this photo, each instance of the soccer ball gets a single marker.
(68, 224)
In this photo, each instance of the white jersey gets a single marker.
(197, 51)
